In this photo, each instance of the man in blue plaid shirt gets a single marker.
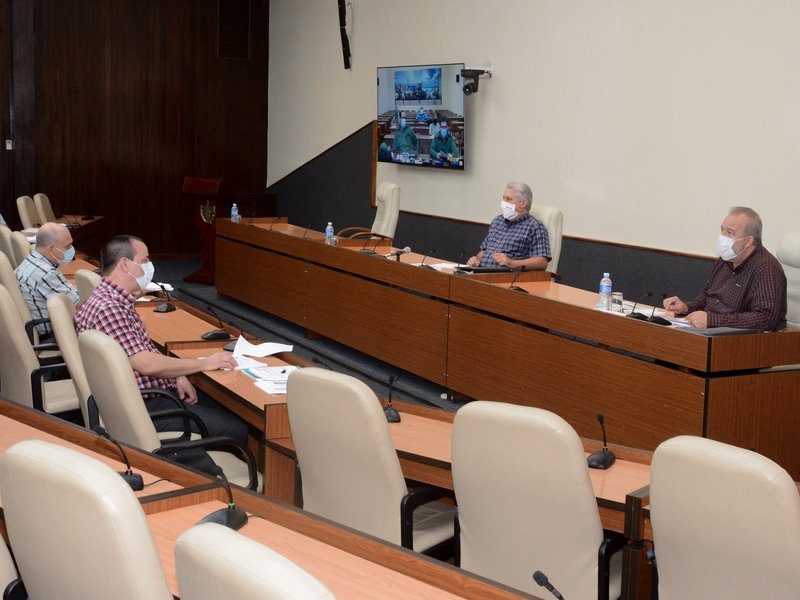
(516, 240)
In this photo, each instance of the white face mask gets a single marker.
(145, 278)
(509, 210)
(725, 247)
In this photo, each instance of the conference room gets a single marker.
(637, 127)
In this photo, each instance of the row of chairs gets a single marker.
(35, 211)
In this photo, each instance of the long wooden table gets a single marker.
(549, 348)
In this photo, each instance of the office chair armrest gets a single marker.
(409, 503)
(613, 542)
(187, 416)
(169, 394)
(218, 443)
(349, 231)
(33, 323)
(45, 346)
(37, 385)
(15, 591)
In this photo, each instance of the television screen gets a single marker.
(421, 116)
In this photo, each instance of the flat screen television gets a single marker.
(421, 116)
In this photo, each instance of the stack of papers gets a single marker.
(270, 379)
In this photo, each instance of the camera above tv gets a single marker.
(421, 116)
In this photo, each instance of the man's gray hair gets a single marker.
(753, 226)
(522, 191)
(47, 234)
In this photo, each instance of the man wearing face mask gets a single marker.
(747, 286)
(405, 140)
(443, 145)
(516, 240)
(126, 269)
(38, 275)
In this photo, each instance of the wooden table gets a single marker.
(91, 235)
(68, 270)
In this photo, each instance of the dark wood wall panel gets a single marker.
(130, 96)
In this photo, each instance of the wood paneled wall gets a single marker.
(114, 102)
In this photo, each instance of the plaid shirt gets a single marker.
(111, 309)
(522, 238)
(751, 296)
(38, 280)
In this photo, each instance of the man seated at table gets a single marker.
(39, 277)
(126, 269)
(516, 240)
(747, 286)
(405, 140)
(443, 145)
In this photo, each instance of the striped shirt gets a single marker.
(112, 310)
(38, 280)
(524, 237)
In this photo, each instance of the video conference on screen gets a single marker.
(421, 116)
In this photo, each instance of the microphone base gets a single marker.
(392, 416)
(427, 267)
(368, 251)
(87, 218)
(516, 288)
(636, 315)
(233, 518)
(602, 459)
(164, 308)
(216, 335)
(230, 347)
(133, 479)
(658, 321)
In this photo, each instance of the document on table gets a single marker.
(156, 287)
(245, 348)
(270, 379)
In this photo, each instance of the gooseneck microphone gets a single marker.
(305, 231)
(653, 318)
(271, 225)
(132, 479)
(250, 220)
(543, 581)
(392, 416)
(516, 288)
(167, 306)
(216, 334)
(422, 262)
(231, 516)
(397, 254)
(602, 459)
(639, 316)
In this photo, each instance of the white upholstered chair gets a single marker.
(86, 281)
(44, 209)
(525, 502)
(77, 530)
(10, 583)
(27, 212)
(214, 562)
(20, 246)
(9, 280)
(726, 523)
(125, 417)
(386, 215)
(349, 467)
(5, 245)
(789, 255)
(553, 220)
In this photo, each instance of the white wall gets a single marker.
(643, 119)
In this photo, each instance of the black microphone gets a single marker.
(366, 250)
(271, 225)
(397, 254)
(461, 257)
(250, 220)
(70, 224)
(392, 416)
(653, 318)
(516, 288)
(87, 217)
(639, 316)
(318, 361)
(422, 262)
(166, 306)
(132, 479)
(216, 334)
(305, 233)
(232, 516)
(602, 459)
(543, 581)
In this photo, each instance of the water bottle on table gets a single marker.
(329, 234)
(235, 218)
(604, 303)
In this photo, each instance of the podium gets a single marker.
(205, 194)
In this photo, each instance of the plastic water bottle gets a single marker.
(235, 218)
(605, 293)
(329, 234)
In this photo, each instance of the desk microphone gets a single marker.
(305, 233)
(653, 318)
(87, 217)
(516, 288)
(250, 220)
(397, 254)
(132, 479)
(366, 250)
(422, 262)
(271, 225)
(166, 306)
(602, 459)
(639, 316)
(231, 346)
(216, 334)
(70, 224)
(232, 516)
(543, 581)
(392, 416)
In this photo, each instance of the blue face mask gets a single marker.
(402, 123)
(69, 254)
(443, 132)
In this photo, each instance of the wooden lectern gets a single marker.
(205, 194)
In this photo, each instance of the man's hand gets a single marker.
(474, 261)
(502, 259)
(698, 318)
(219, 360)
(676, 305)
(186, 391)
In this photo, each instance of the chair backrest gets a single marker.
(20, 246)
(114, 389)
(8, 570)
(553, 220)
(17, 360)
(5, 244)
(9, 280)
(214, 562)
(726, 522)
(789, 255)
(62, 319)
(27, 212)
(350, 470)
(525, 499)
(43, 208)
(388, 209)
(86, 281)
(77, 529)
